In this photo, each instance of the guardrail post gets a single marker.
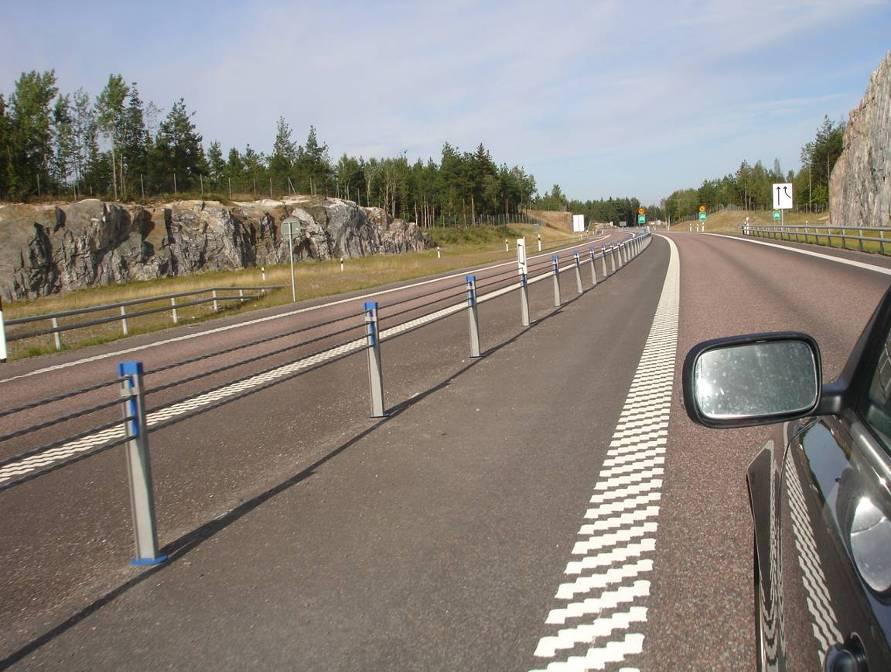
(173, 310)
(881, 251)
(603, 260)
(555, 263)
(578, 273)
(216, 306)
(57, 337)
(593, 268)
(375, 378)
(139, 470)
(3, 352)
(124, 329)
(473, 316)
(524, 300)
(241, 294)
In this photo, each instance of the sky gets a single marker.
(604, 98)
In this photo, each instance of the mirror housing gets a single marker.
(753, 379)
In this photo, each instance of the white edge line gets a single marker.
(237, 325)
(819, 255)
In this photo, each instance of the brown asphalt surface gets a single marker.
(701, 610)
(305, 536)
(66, 538)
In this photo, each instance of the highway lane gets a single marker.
(701, 614)
(436, 539)
(65, 545)
(257, 342)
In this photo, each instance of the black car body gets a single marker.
(821, 501)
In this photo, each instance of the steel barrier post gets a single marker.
(139, 469)
(173, 310)
(555, 263)
(612, 259)
(241, 294)
(603, 260)
(593, 269)
(578, 273)
(124, 328)
(216, 306)
(57, 337)
(524, 300)
(473, 316)
(3, 352)
(375, 379)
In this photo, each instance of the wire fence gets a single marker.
(73, 434)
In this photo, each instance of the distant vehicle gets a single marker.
(821, 503)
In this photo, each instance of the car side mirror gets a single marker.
(752, 380)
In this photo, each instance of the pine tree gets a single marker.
(31, 133)
(178, 153)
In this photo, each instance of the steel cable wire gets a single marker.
(31, 452)
(250, 360)
(62, 463)
(385, 317)
(242, 346)
(423, 296)
(260, 373)
(60, 397)
(58, 420)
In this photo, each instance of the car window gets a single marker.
(878, 403)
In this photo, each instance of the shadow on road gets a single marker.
(180, 547)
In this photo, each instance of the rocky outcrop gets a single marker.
(860, 186)
(49, 249)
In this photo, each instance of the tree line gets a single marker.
(749, 187)
(118, 146)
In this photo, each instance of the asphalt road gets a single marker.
(304, 535)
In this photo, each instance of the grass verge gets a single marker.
(459, 248)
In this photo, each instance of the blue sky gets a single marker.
(603, 97)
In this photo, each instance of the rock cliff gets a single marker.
(47, 249)
(860, 186)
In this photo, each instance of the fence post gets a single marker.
(139, 470)
(593, 269)
(375, 379)
(57, 337)
(473, 316)
(216, 306)
(603, 261)
(612, 257)
(524, 300)
(578, 273)
(3, 352)
(173, 310)
(555, 263)
(124, 328)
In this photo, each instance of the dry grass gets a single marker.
(314, 279)
(730, 221)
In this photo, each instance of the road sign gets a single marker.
(701, 208)
(641, 219)
(776, 215)
(290, 227)
(782, 196)
(641, 211)
(521, 256)
(702, 216)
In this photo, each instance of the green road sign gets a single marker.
(776, 214)
(641, 219)
(702, 216)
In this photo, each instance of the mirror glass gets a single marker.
(756, 379)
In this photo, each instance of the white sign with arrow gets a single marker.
(782, 196)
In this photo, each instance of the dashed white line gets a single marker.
(619, 544)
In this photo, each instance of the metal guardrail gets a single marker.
(216, 296)
(58, 449)
(803, 233)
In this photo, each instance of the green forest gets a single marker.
(117, 146)
(749, 188)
